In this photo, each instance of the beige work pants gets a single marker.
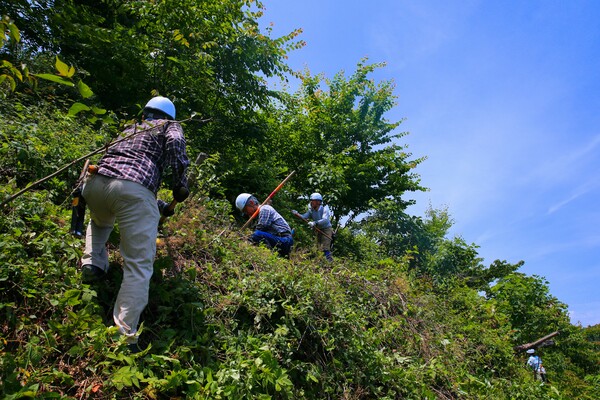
(134, 208)
(324, 239)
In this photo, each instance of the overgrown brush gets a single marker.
(228, 320)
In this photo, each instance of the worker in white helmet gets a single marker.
(319, 220)
(271, 228)
(535, 363)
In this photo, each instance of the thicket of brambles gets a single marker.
(404, 311)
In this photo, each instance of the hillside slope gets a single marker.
(228, 320)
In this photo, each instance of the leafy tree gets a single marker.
(209, 56)
(425, 244)
(399, 233)
(533, 311)
(341, 144)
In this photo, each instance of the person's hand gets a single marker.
(311, 224)
(294, 212)
(180, 194)
(163, 208)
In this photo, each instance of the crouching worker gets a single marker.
(123, 189)
(271, 229)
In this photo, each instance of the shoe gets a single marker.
(133, 348)
(91, 273)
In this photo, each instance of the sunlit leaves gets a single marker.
(341, 143)
(63, 69)
(56, 79)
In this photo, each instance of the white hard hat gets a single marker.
(162, 104)
(316, 196)
(530, 351)
(241, 200)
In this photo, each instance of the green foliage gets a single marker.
(528, 302)
(403, 312)
(229, 320)
(9, 74)
(341, 145)
(37, 140)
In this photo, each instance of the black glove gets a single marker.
(180, 194)
(163, 208)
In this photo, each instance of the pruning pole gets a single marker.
(317, 229)
(88, 155)
(267, 200)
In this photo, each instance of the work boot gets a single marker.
(133, 348)
(91, 273)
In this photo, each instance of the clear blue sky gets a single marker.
(503, 97)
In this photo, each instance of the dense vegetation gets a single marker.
(404, 311)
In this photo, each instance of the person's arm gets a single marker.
(177, 159)
(307, 213)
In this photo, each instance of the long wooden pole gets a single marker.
(316, 228)
(88, 155)
(536, 343)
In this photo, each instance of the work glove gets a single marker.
(180, 194)
(294, 212)
(163, 208)
(311, 224)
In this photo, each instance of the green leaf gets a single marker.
(62, 68)
(14, 32)
(174, 60)
(84, 90)
(11, 81)
(78, 107)
(55, 78)
(98, 111)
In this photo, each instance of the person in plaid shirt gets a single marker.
(124, 190)
(271, 228)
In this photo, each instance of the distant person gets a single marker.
(535, 363)
(123, 190)
(271, 228)
(319, 220)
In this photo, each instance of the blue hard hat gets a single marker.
(162, 104)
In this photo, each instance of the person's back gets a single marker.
(142, 158)
(123, 190)
(535, 363)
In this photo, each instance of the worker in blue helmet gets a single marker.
(123, 189)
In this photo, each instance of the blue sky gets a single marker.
(503, 97)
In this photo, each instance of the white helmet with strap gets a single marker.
(316, 196)
(241, 200)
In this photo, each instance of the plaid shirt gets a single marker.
(143, 157)
(271, 221)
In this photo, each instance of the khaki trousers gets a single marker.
(324, 239)
(134, 208)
